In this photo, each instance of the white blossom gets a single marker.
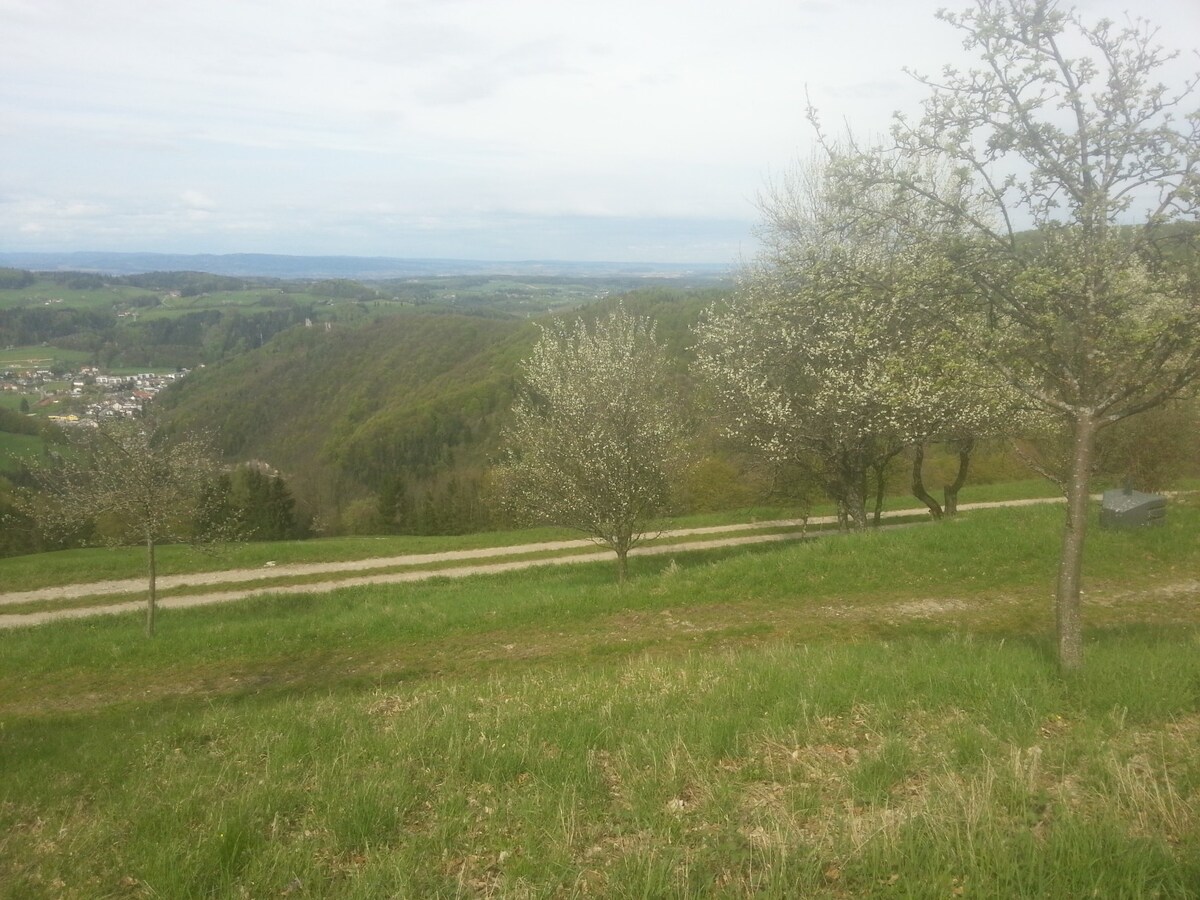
(595, 432)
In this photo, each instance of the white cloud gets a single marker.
(196, 200)
(295, 116)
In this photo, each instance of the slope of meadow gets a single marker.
(875, 715)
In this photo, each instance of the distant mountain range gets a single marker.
(365, 268)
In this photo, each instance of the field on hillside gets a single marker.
(17, 447)
(49, 293)
(40, 357)
(872, 715)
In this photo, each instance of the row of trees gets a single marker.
(1015, 259)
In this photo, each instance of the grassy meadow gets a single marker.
(869, 715)
(41, 357)
(14, 448)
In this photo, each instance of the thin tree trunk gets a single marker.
(880, 486)
(152, 596)
(918, 483)
(622, 565)
(848, 492)
(950, 491)
(1070, 566)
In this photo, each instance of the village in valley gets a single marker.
(85, 395)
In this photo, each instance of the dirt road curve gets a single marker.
(351, 573)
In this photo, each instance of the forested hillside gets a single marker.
(388, 425)
(343, 412)
(383, 415)
(380, 403)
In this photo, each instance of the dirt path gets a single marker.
(301, 570)
(351, 572)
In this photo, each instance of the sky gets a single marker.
(622, 130)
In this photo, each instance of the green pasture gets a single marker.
(871, 715)
(13, 401)
(50, 294)
(15, 447)
(40, 357)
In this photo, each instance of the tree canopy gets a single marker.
(595, 430)
(837, 345)
(1065, 127)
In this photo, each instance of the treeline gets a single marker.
(27, 325)
(187, 339)
(248, 502)
(12, 279)
(16, 422)
(188, 284)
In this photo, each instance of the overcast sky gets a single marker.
(627, 130)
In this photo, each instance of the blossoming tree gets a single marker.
(1064, 128)
(141, 485)
(836, 345)
(595, 433)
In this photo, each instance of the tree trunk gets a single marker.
(151, 596)
(854, 478)
(1070, 567)
(950, 491)
(622, 564)
(918, 483)
(880, 487)
(846, 479)
(856, 508)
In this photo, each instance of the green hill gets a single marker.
(344, 412)
(389, 424)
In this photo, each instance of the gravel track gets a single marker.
(351, 573)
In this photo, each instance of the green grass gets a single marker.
(40, 357)
(778, 770)
(871, 715)
(13, 401)
(14, 447)
(43, 291)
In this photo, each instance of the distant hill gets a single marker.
(388, 424)
(264, 265)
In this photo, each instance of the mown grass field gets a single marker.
(13, 400)
(874, 715)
